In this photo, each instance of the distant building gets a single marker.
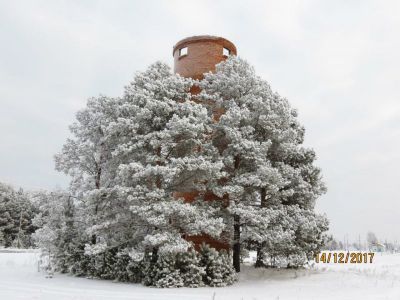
(377, 247)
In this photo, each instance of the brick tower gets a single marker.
(197, 55)
(194, 56)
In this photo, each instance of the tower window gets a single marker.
(226, 52)
(183, 51)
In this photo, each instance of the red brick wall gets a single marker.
(203, 53)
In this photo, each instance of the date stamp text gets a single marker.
(345, 257)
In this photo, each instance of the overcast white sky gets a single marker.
(338, 62)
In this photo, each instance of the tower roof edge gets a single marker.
(204, 38)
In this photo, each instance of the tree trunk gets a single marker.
(154, 255)
(263, 195)
(19, 230)
(236, 245)
(260, 256)
(236, 230)
(97, 185)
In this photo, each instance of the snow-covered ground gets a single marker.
(20, 279)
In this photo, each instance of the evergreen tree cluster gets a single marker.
(132, 158)
(16, 215)
(206, 267)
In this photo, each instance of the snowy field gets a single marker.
(19, 279)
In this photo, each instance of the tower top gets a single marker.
(196, 55)
(205, 38)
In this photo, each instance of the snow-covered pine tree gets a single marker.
(87, 158)
(190, 268)
(57, 235)
(138, 266)
(125, 269)
(291, 235)
(164, 148)
(128, 157)
(217, 266)
(16, 215)
(165, 273)
(107, 261)
(260, 142)
(9, 214)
